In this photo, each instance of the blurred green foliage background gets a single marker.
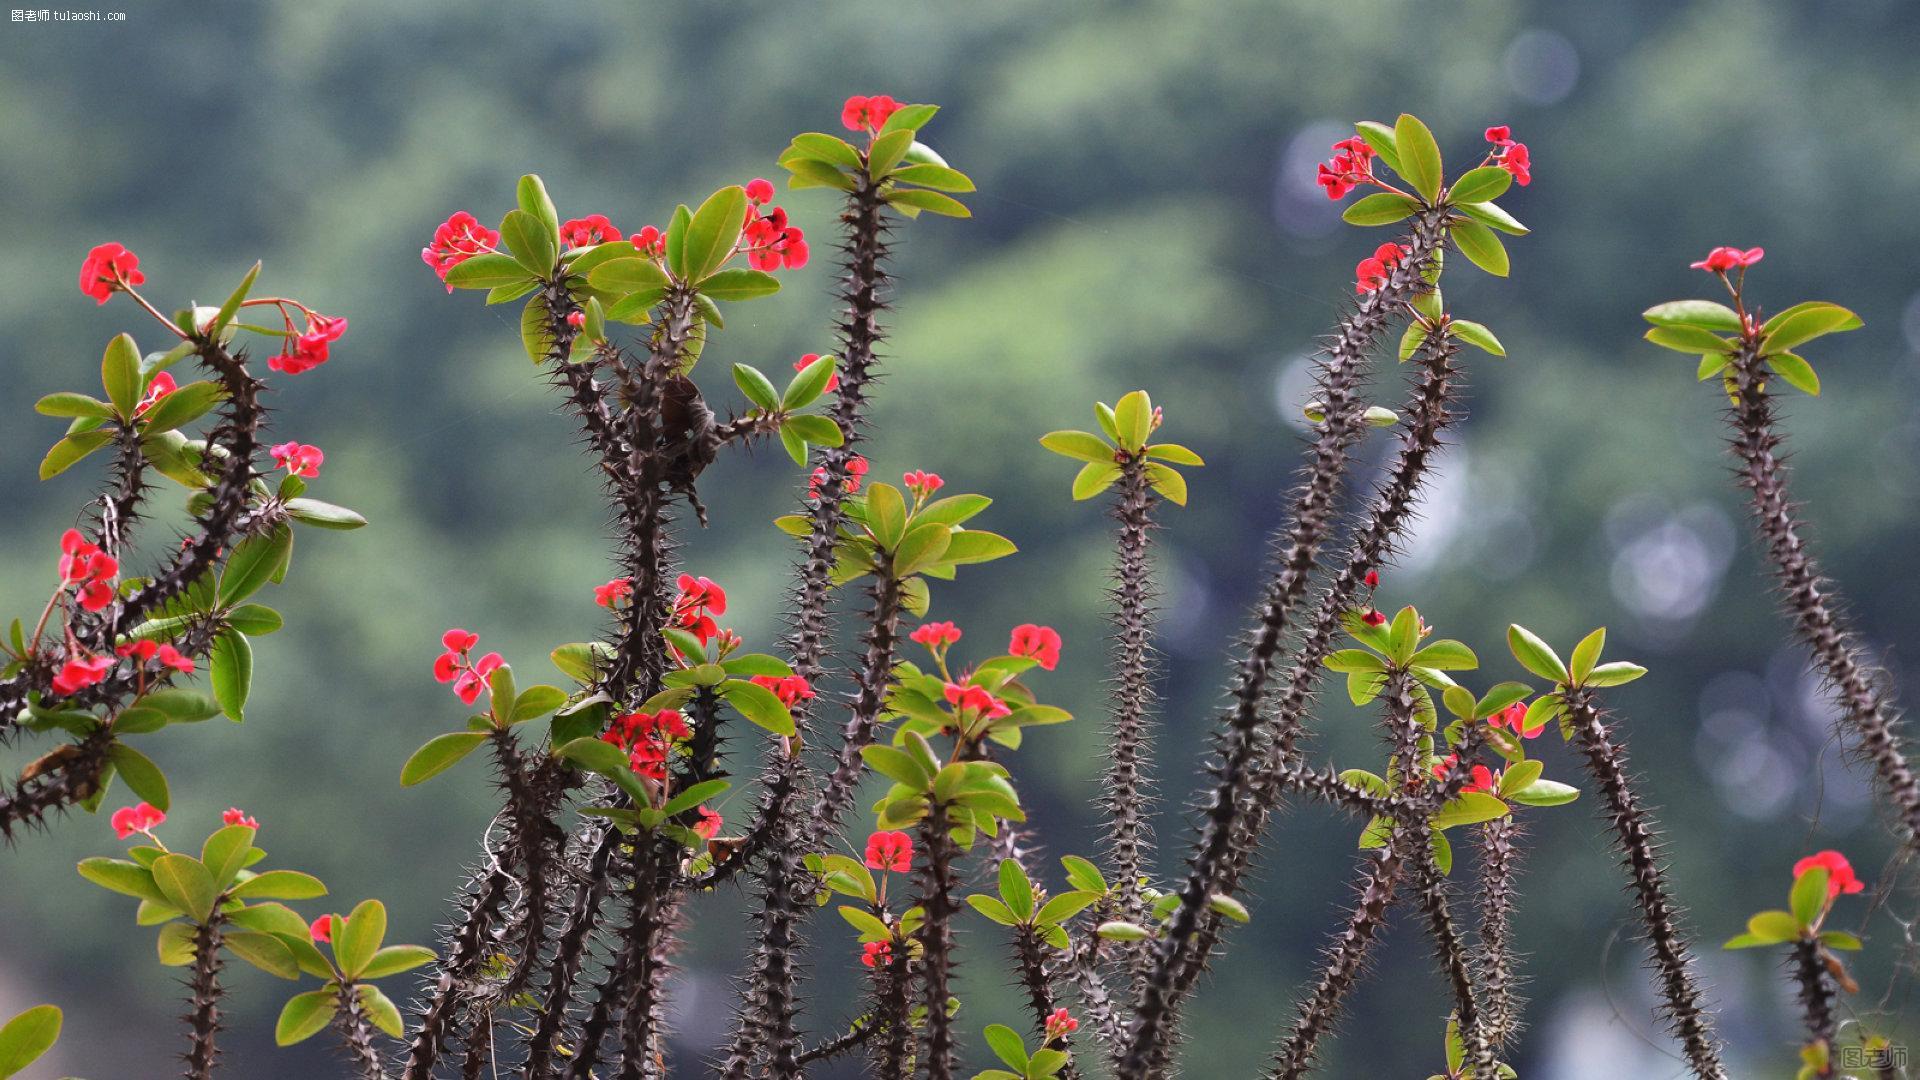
(1146, 218)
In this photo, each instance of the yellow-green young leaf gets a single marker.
(324, 515)
(886, 514)
(1704, 314)
(808, 384)
(303, 1017)
(1168, 483)
(1543, 793)
(1419, 156)
(1094, 478)
(27, 1036)
(67, 403)
(1796, 372)
(810, 173)
(740, 284)
(225, 852)
(174, 944)
(185, 884)
(489, 270)
(937, 177)
(183, 406)
(1481, 247)
(359, 937)
(531, 194)
(395, 959)
(279, 885)
(625, 276)
(1615, 673)
(255, 561)
(1480, 185)
(120, 374)
(914, 200)
(1809, 895)
(920, 548)
(536, 336)
(121, 876)
(1804, 322)
(1712, 364)
(756, 386)
(713, 231)
(70, 450)
(830, 149)
(1773, 927)
(1520, 775)
(1133, 416)
(1470, 808)
(1587, 654)
(1079, 445)
(1688, 339)
(1534, 654)
(534, 245)
(992, 909)
(1229, 907)
(1493, 217)
(440, 753)
(887, 151)
(1379, 208)
(381, 1010)
(1380, 137)
(1410, 341)
(1476, 335)
(1175, 453)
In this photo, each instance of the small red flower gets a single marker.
(576, 319)
(892, 851)
(136, 819)
(81, 672)
(160, 387)
(935, 634)
(647, 738)
(770, 243)
(1722, 259)
(833, 380)
(759, 192)
(304, 352)
(1514, 719)
(1840, 876)
(1351, 166)
(1500, 136)
(867, 113)
(588, 231)
(299, 458)
(974, 700)
(650, 240)
(107, 269)
(922, 484)
(1374, 617)
(709, 824)
(458, 239)
(1060, 1024)
(144, 652)
(788, 688)
(1517, 161)
(1371, 274)
(468, 676)
(613, 592)
(82, 563)
(1040, 642)
(856, 468)
(233, 815)
(876, 953)
(1482, 780)
(321, 930)
(700, 600)
(1373, 579)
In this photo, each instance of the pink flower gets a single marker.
(1040, 642)
(891, 851)
(833, 380)
(233, 815)
(867, 113)
(770, 243)
(1722, 259)
(322, 928)
(1500, 136)
(1516, 160)
(1371, 274)
(1351, 166)
(160, 387)
(613, 592)
(107, 269)
(588, 231)
(576, 319)
(143, 818)
(304, 352)
(458, 239)
(922, 484)
(1060, 1024)
(299, 458)
(81, 672)
(759, 191)
(935, 634)
(1840, 877)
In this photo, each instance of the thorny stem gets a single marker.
(938, 884)
(1129, 741)
(570, 952)
(356, 1033)
(466, 952)
(1659, 918)
(1346, 957)
(1818, 995)
(870, 697)
(1495, 961)
(203, 1021)
(649, 918)
(1340, 369)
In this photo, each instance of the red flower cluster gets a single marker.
(1040, 642)
(1060, 1024)
(700, 600)
(1840, 876)
(650, 240)
(233, 815)
(80, 672)
(1514, 719)
(588, 231)
(136, 819)
(82, 563)
(299, 458)
(833, 380)
(160, 387)
(867, 113)
(108, 269)
(856, 468)
(1511, 156)
(1722, 259)
(613, 592)
(458, 239)
(146, 652)
(876, 953)
(304, 352)
(1482, 777)
(771, 243)
(456, 665)
(935, 635)
(891, 851)
(1351, 166)
(647, 738)
(1371, 274)
(922, 484)
(788, 688)
(974, 700)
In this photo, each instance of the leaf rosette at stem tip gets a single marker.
(1125, 428)
(1716, 333)
(889, 159)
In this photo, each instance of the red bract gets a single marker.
(468, 676)
(974, 700)
(233, 815)
(145, 652)
(160, 387)
(1514, 719)
(709, 824)
(81, 672)
(700, 600)
(876, 953)
(613, 592)
(303, 352)
(1371, 274)
(1840, 876)
(458, 239)
(108, 269)
(1722, 259)
(299, 458)
(833, 380)
(856, 468)
(650, 240)
(588, 231)
(576, 319)
(1040, 642)
(770, 243)
(647, 738)
(1374, 617)
(82, 563)
(788, 688)
(1517, 161)
(759, 191)
(1351, 166)
(1060, 1024)
(136, 819)
(867, 113)
(935, 634)
(922, 484)
(1373, 579)
(321, 930)
(1500, 136)
(891, 851)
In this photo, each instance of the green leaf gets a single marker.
(938, 177)
(1476, 335)
(440, 753)
(740, 284)
(279, 885)
(1175, 453)
(534, 246)
(264, 951)
(953, 510)
(395, 959)
(992, 909)
(120, 374)
(886, 514)
(1773, 927)
(531, 194)
(1520, 775)
(758, 704)
(1117, 930)
(1471, 808)
(381, 1010)
(489, 270)
(1586, 655)
(713, 232)
(887, 151)
(1802, 323)
(535, 702)
(323, 515)
(1016, 890)
(920, 548)
(174, 944)
(1228, 907)
(1535, 655)
(1483, 184)
(817, 430)
(359, 937)
(27, 1036)
(1381, 138)
(909, 118)
(1349, 660)
(1796, 372)
(1809, 896)
(931, 201)
(1419, 156)
(808, 384)
(1620, 671)
(1079, 445)
(1093, 479)
(1544, 793)
(1008, 1046)
(303, 1017)
(811, 173)
(827, 148)
(756, 387)
(897, 765)
(625, 276)
(1170, 484)
(1493, 217)
(1840, 939)
(254, 562)
(1481, 247)
(1445, 655)
(68, 451)
(1379, 208)
(1688, 339)
(67, 403)
(255, 619)
(694, 796)
(186, 884)
(142, 776)
(536, 335)
(225, 853)
(121, 876)
(232, 661)
(974, 546)
(1133, 418)
(1700, 314)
